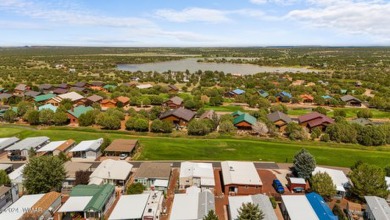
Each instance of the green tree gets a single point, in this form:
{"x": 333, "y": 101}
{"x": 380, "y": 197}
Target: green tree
{"x": 32, "y": 117}
{"x": 60, "y": 118}
{"x": 110, "y": 122}
{"x": 338, "y": 212}
{"x": 227, "y": 127}
{"x": 43, "y": 174}
{"x": 105, "y": 144}
{"x": 371, "y": 136}
{"x": 320, "y": 110}
{"x": 82, "y": 177}
{"x": 23, "y": 107}
{"x": 167, "y": 127}
{"x": 323, "y": 184}
{"x": 342, "y": 132}
{"x": 135, "y": 188}
{"x": 250, "y": 211}
{"x": 4, "y": 179}
{"x": 67, "y": 103}
{"x": 339, "y": 113}
{"x": 156, "y": 125}
{"x": 211, "y": 215}
{"x": 364, "y": 113}
{"x": 280, "y": 108}
{"x": 387, "y": 170}
{"x": 10, "y": 116}
{"x": 130, "y": 123}
{"x": 296, "y": 132}
{"x": 198, "y": 127}
{"x": 141, "y": 125}
{"x": 304, "y": 164}
{"x": 368, "y": 179}
{"x": 46, "y": 116}
{"x": 88, "y": 118}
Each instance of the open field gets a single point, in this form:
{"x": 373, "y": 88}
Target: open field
{"x": 222, "y": 148}
{"x": 224, "y": 108}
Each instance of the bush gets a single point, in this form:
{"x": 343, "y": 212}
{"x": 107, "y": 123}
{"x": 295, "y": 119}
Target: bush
{"x": 10, "y": 116}
{"x": 198, "y": 127}
{"x": 88, "y": 118}
{"x": 227, "y": 127}
{"x": 364, "y": 113}
{"x": 340, "y": 113}
{"x": 32, "y": 117}
{"x": 156, "y": 125}
{"x": 325, "y": 138}
{"x": 135, "y": 188}
{"x": 107, "y": 121}
{"x": 46, "y": 116}
{"x": 280, "y": 108}
{"x": 320, "y": 110}
{"x": 60, "y": 118}
{"x": 167, "y": 127}
{"x": 141, "y": 125}
{"x": 296, "y": 132}
{"x": 273, "y": 202}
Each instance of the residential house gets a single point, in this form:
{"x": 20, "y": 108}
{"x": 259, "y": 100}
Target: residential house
{"x": 283, "y": 95}
{"x": 120, "y": 147}
{"x": 45, "y": 88}
{"x": 93, "y": 99}
{"x": 60, "y": 91}
{"x": 109, "y": 87}
{"x": 315, "y": 119}
{"x": 21, "y": 89}
{"x": 96, "y": 86}
{"x": 362, "y": 121}
{"x": 78, "y": 89}
{"x": 40, "y": 99}
{"x": 5, "y": 197}
{"x": 115, "y": 172}
{"x": 80, "y": 84}
{"x": 377, "y": 208}
{"x": 75, "y": 113}
{"x": 56, "y": 147}
{"x": 179, "y": 117}
{"x": 192, "y": 205}
{"x": 196, "y": 174}
{"x": 30, "y": 95}
{"x": 63, "y": 86}
{"x": 87, "y": 149}
{"x": 209, "y": 114}
{"x": 23, "y": 147}
{"x": 263, "y": 93}
{"x": 351, "y": 100}
{"x": 279, "y": 119}
{"x": 88, "y": 202}
{"x": 320, "y": 207}
{"x": 20, "y": 207}
{"x": 8, "y": 168}
{"x": 144, "y": 86}
{"x": 263, "y": 201}
{"x": 236, "y": 113}
{"x": 297, "y": 207}
{"x": 154, "y": 175}
{"x": 298, "y": 82}
{"x": 4, "y": 97}
{"x": 234, "y": 93}
{"x": 71, "y": 168}
{"x": 306, "y": 98}
{"x": 244, "y": 121}
{"x": 153, "y": 208}
{"x": 387, "y": 179}
{"x": 240, "y": 178}
{"x": 343, "y": 91}
{"x": 48, "y": 106}
{"x": 122, "y": 101}
{"x": 17, "y": 179}
{"x": 72, "y": 96}
{"x": 6, "y": 142}
{"x": 172, "y": 89}
{"x": 174, "y": 102}
{"x": 45, "y": 207}
{"x": 339, "y": 179}
{"x": 108, "y": 103}
{"x": 358, "y": 84}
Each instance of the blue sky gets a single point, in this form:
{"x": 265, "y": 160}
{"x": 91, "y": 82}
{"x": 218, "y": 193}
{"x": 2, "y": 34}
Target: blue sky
{"x": 194, "y": 22}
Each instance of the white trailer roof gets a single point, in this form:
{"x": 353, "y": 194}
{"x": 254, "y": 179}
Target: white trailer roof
{"x": 112, "y": 169}
{"x": 21, "y": 206}
{"x": 74, "y": 96}
{"x": 51, "y": 146}
{"x": 28, "y": 143}
{"x": 75, "y": 204}
{"x": 130, "y": 207}
{"x": 17, "y": 175}
{"x": 387, "y": 178}
{"x": 204, "y": 171}
{"x": 235, "y": 202}
{"x": 243, "y": 173}
{"x": 88, "y": 145}
{"x": 295, "y": 180}
{"x": 339, "y": 178}
{"x": 379, "y": 207}
{"x": 299, "y": 208}
{"x": 6, "y": 142}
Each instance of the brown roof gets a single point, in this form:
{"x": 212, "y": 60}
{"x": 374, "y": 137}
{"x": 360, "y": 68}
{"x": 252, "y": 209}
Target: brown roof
{"x": 4, "y": 190}
{"x": 105, "y": 101}
{"x": 181, "y": 113}
{"x": 306, "y": 96}
{"x": 315, "y": 119}
{"x": 43, "y": 204}
{"x": 123, "y": 99}
{"x": 72, "y": 167}
{"x": 66, "y": 145}
{"x": 176, "y": 100}
{"x": 153, "y": 170}
{"x": 122, "y": 145}
{"x": 60, "y": 91}
{"x": 173, "y": 87}
{"x": 207, "y": 114}
{"x": 95, "y": 98}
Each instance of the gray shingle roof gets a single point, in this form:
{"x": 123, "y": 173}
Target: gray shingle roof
{"x": 276, "y": 116}
{"x": 347, "y": 98}
{"x": 182, "y": 113}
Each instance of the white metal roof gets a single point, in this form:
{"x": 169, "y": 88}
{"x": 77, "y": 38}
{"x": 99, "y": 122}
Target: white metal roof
{"x": 17, "y": 175}
{"x": 144, "y": 86}
{"x": 387, "y": 178}
{"x": 112, "y": 169}
{"x": 299, "y": 208}
{"x": 379, "y": 207}
{"x": 74, "y": 96}
{"x": 51, "y": 146}
{"x": 4, "y": 166}
{"x": 295, "y": 180}
{"x": 28, "y": 143}
{"x": 185, "y": 206}
{"x": 161, "y": 183}
{"x": 242, "y": 173}
{"x": 75, "y": 204}
{"x": 21, "y": 206}
{"x": 339, "y": 178}
{"x": 88, "y": 145}
{"x": 130, "y": 207}
{"x": 5, "y": 142}
{"x": 235, "y": 202}
{"x": 204, "y": 171}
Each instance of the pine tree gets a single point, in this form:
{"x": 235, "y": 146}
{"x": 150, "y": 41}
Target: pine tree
{"x": 250, "y": 211}
{"x": 304, "y": 164}
{"x": 211, "y": 215}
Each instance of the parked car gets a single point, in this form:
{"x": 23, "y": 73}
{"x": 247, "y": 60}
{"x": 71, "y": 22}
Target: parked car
{"x": 123, "y": 156}
{"x": 17, "y": 158}
{"x": 299, "y": 189}
{"x": 278, "y": 186}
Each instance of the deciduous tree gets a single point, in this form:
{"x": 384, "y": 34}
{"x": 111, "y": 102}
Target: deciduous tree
{"x": 323, "y": 184}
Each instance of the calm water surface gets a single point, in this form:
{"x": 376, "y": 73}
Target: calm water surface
{"x": 192, "y": 65}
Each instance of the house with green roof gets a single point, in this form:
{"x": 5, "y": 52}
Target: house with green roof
{"x": 237, "y": 113}
{"x": 89, "y": 201}
{"x": 76, "y": 112}
{"x": 109, "y": 87}
{"x": 44, "y": 98}
{"x": 244, "y": 121}
{"x": 48, "y": 106}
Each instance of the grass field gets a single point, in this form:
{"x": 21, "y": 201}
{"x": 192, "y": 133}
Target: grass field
{"x": 170, "y": 148}
{"x": 227, "y": 108}
{"x": 351, "y": 113}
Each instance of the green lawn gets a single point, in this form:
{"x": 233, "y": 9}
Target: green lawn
{"x": 351, "y": 113}
{"x": 227, "y": 108}
{"x": 169, "y": 148}
{"x": 298, "y": 111}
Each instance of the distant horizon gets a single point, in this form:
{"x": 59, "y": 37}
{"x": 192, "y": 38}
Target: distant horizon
{"x": 195, "y": 23}
{"x": 270, "y": 46}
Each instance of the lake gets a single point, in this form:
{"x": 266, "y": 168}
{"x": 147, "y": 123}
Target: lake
{"x": 192, "y": 65}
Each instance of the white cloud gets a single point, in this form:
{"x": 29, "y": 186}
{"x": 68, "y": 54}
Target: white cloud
{"x": 370, "y": 18}
{"x": 278, "y": 2}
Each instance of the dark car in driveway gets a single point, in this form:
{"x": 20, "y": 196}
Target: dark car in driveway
{"x": 278, "y": 186}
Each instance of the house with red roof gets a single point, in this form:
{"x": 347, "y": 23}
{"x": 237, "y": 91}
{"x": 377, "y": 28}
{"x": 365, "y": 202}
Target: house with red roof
{"x": 315, "y": 119}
